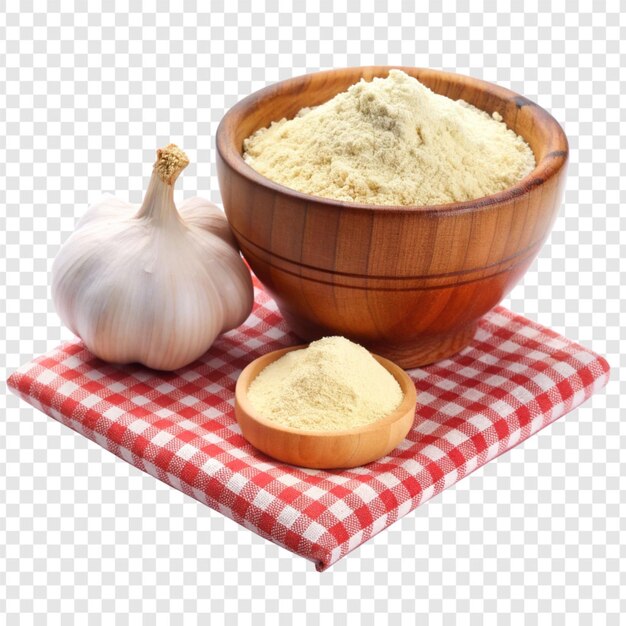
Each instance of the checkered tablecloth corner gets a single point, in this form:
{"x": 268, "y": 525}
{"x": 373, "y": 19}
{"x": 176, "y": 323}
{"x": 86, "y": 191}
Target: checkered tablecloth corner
{"x": 514, "y": 379}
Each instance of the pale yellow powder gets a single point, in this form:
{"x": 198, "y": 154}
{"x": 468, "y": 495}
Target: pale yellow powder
{"x": 333, "y": 384}
{"x": 391, "y": 141}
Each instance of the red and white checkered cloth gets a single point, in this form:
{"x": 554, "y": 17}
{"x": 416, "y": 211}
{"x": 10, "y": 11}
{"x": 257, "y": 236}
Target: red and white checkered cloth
{"x": 514, "y": 379}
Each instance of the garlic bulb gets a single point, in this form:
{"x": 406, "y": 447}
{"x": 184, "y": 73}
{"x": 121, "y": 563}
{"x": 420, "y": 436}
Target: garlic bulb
{"x": 154, "y": 286}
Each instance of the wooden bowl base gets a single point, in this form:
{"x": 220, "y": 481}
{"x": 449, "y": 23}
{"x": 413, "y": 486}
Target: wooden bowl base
{"x": 414, "y": 352}
{"x": 425, "y": 350}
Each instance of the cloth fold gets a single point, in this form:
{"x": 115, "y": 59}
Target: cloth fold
{"x": 513, "y": 380}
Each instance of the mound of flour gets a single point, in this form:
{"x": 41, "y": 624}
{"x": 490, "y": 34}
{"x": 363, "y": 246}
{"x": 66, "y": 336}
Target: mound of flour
{"x": 391, "y": 141}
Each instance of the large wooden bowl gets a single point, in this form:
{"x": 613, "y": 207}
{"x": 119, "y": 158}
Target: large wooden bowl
{"x": 409, "y": 283}
{"x": 324, "y": 449}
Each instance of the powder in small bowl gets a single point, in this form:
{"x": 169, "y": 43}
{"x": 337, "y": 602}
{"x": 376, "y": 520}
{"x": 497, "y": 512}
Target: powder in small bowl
{"x": 332, "y": 385}
{"x": 391, "y": 141}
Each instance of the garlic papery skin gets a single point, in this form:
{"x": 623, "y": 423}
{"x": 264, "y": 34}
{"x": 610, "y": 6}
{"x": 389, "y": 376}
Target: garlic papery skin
{"x": 152, "y": 284}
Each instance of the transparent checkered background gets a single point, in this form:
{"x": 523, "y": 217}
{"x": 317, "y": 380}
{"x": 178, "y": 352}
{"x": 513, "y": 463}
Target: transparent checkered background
{"x": 85, "y": 98}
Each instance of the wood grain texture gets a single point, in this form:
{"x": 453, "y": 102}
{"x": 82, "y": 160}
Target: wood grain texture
{"x": 407, "y": 282}
{"x": 324, "y": 450}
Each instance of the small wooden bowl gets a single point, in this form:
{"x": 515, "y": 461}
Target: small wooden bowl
{"x": 324, "y": 449}
{"x": 407, "y": 282}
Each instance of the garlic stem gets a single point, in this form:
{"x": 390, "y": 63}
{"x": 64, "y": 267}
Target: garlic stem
{"x": 171, "y": 161}
{"x": 158, "y": 203}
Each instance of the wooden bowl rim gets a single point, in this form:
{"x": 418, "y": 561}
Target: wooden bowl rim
{"x": 552, "y": 162}
{"x": 408, "y": 404}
